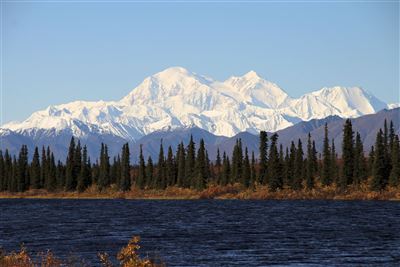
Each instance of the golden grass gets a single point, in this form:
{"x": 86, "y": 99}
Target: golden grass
{"x": 236, "y": 191}
{"x": 127, "y": 257}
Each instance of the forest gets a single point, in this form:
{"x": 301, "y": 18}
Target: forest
{"x": 297, "y": 167}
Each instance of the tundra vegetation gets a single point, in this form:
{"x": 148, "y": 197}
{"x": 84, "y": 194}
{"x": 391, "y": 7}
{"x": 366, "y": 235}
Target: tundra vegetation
{"x": 128, "y": 256}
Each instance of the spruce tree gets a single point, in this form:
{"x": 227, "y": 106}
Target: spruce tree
{"x": 77, "y": 162}
{"x": 378, "y": 178}
{"x": 104, "y": 174}
{"x": 60, "y": 174}
{"x": 298, "y": 168}
{"x": 326, "y": 177}
{"x": 161, "y": 176}
{"x": 290, "y": 168}
{"x": 226, "y": 170}
{"x": 35, "y": 170}
{"x": 347, "y": 155}
{"x": 84, "y": 174}
{"x": 371, "y": 160}
{"x": 218, "y": 167}
{"x": 51, "y": 182}
{"x": 125, "y": 181}
{"x": 170, "y": 168}
{"x": 7, "y": 171}
{"x": 275, "y": 171}
{"x": 246, "y": 170}
{"x": 23, "y": 174}
{"x": 359, "y": 173}
{"x": 310, "y": 168}
{"x": 13, "y": 182}
{"x": 263, "y": 157}
{"x": 387, "y": 151}
{"x": 190, "y": 163}
{"x": 181, "y": 165}
{"x": 2, "y": 172}
{"x": 201, "y": 171}
{"x": 70, "y": 175}
{"x": 394, "y": 177}
{"x": 140, "y": 182}
{"x": 253, "y": 170}
{"x": 113, "y": 171}
{"x": 43, "y": 168}
{"x": 237, "y": 161}
{"x": 150, "y": 172}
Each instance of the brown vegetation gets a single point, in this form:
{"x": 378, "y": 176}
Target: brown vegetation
{"x": 236, "y": 191}
{"x": 127, "y": 257}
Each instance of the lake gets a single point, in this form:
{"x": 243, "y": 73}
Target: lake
{"x": 210, "y": 232}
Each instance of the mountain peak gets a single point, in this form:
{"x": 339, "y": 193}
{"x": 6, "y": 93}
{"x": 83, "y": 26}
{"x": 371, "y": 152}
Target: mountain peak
{"x": 252, "y": 75}
{"x": 177, "y": 97}
{"x": 174, "y": 70}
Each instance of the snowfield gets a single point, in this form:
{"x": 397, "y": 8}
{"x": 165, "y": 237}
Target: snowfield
{"x": 177, "y": 98}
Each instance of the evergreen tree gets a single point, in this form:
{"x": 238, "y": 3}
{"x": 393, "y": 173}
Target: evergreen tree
{"x": 104, "y": 168}
{"x": 201, "y": 172}
{"x": 290, "y": 167}
{"x": 43, "y": 168}
{"x": 84, "y": 174}
{"x": 394, "y": 177}
{"x": 150, "y": 172}
{"x": 386, "y": 152}
{"x": 237, "y": 161}
{"x": 218, "y": 167}
{"x": 70, "y": 175}
{"x": 51, "y": 182}
{"x": 378, "y": 179}
{"x": 170, "y": 168}
{"x": 77, "y": 162}
{"x": 359, "y": 161}
{"x": 161, "y": 176}
{"x": 275, "y": 170}
{"x": 125, "y": 181}
{"x": 298, "y": 168}
{"x": 140, "y": 182}
{"x": 13, "y": 183}
{"x": 263, "y": 157}
{"x": 6, "y": 184}
{"x": 326, "y": 177}
{"x": 190, "y": 162}
{"x": 2, "y": 172}
{"x": 60, "y": 174}
{"x": 371, "y": 160}
{"x": 253, "y": 170}
{"x": 181, "y": 165}
{"x": 23, "y": 175}
{"x": 226, "y": 170}
{"x": 310, "y": 168}
{"x": 114, "y": 171}
{"x": 246, "y": 171}
{"x": 35, "y": 170}
{"x": 347, "y": 155}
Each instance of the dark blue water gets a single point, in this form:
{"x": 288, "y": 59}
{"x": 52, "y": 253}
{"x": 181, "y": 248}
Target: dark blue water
{"x": 210, "y": 233}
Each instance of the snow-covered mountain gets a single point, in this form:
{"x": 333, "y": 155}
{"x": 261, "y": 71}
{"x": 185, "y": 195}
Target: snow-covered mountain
{"x": 178, "y": 98}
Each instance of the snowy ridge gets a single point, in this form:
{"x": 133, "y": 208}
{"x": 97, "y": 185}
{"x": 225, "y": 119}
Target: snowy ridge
{"x": 176, "y": 98}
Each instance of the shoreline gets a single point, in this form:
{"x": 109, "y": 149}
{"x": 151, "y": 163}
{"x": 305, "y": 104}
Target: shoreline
{"x": 216, "y": 192}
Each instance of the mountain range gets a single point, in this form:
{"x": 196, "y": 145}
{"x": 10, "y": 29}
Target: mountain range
{"x": 179, "y": 101}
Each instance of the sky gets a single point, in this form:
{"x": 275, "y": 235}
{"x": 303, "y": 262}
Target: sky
{"x": 56, "y": 52}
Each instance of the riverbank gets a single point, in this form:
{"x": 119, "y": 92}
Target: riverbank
{"x": 236, "y": 191}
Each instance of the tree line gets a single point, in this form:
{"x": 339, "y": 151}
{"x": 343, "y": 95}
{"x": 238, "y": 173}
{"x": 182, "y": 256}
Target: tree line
{"x": 294, "y": 167}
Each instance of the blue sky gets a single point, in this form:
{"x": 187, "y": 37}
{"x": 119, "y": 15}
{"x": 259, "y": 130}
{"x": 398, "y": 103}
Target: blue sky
{"x": 53, "y": 53}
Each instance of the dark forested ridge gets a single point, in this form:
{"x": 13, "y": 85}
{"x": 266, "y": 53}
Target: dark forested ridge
{"x": 296, "y": 166}
{"x": 367, "y": 126}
